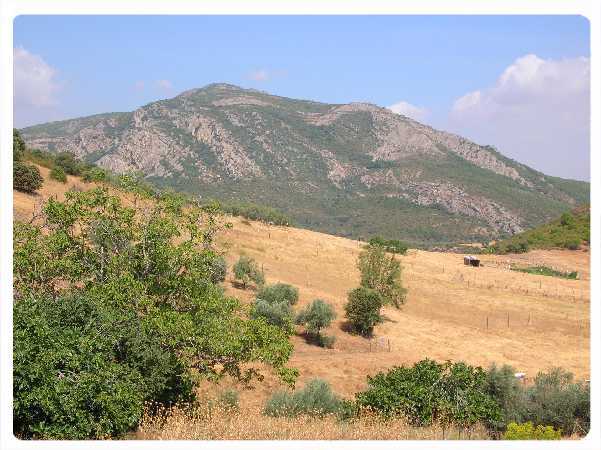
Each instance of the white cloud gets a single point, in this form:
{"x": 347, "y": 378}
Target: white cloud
{"x": 164, "y": 84}
{"x": 260, "y": 75}
{"x": 35, "y": 87}
{"x": 537, "y": 112}
{"x": 409, "y": 110}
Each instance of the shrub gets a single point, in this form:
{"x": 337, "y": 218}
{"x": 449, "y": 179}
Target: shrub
{"x": 383, "y": 274}
{"x": 556, "y": 400}
{"x": 428, "y": 392}
{"x": 279, "y": 292}
{"x": 26, "y": 177}
{"x": 566, "y": 219}
{"x": 230, "y": 399}
{"x": 315, "y": 399}
{"x": 316, "y": 316}
{"x": 58, "y": 174}
{"x": 18, "y": 145}
{"x": 390, "y": 245}
{"x": 218, "y": 270}
{"x": 278, "y": 313}
{"x": 246, "y": 270}
{"x": 527, "y": 432}
{"x": 93, "y": 174}
{"x": 573, "y": 244}
{"x": 508, "y": 392}
{"x": 363, "y": 310}
{"x": 68, "y": 162}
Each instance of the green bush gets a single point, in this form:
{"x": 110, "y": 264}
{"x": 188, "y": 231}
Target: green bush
{"x": 278, "y": 313}
{"x": 555, "y": 399}
{"x": 256, "y": 212}
{"x": 230, "y": 399}
{"x": 527, "y": 432}
{"x": 93, "y": 174}
{"x": 246, "y": 270}
{"x": 390, "y": 245}
{"x": 429, "y": 392}
{"x": 508, "y": 392}
{"x": 69, "y": 163}
{"x": 316, "y": 316}
{"x": 382, "y": 274}
{"x": 218, "y": 270}
{"x": 279, "y": 292}
{"x": 315, "y": 399}
{"x": 18, "y": 145}
{"x": 26, "y": 177}
{"x": 363, "y": 310}
{"x": 58, "y": 174}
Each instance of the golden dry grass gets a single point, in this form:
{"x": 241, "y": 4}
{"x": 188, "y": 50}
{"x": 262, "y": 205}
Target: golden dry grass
{"x": 534, "y": 322}
{"x": 251, "y": 424}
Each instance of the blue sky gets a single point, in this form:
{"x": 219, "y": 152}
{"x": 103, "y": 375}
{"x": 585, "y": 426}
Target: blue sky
{"x": 424, "y": 64}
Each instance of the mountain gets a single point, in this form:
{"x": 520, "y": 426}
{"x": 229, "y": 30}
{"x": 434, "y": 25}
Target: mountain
{"x": 348, "y": 169}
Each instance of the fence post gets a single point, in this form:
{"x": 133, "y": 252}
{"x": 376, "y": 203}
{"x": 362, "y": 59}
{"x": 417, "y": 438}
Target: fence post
{"x": 507, "y": 320}
{"x": 529, "y": 318}
{"x": 487, "y": 322}
{"x": 388, "y": 345}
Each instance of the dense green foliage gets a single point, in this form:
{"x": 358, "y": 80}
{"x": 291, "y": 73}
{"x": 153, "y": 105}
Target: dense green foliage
{"x": 570, "y": 231}
{"x": 316, "y": 316}
{"x": 390, "y": 245}
{"x": 363, "y": 310}
{"x": 547, "y": 271}
{"x": 218, "y": 270}
{"x": 316, "y": 398}
{"x": 275, "y": 313}
{"x": 382, "y": 273}
{"x": 553, "y": 399}
{"x": 26, "y": 177}
{"x": 528, "y": 432}
{"x": 428, "y": 392}
{"x": 115, "y": 306}
{"x": 253, "y": 211}
{"x": 279, "y": 293}
{"x": 247, "y": 270}
{"x": 57, "y": 173}
{"x": 69, "y": 163}
{"x": 18, "y": 145}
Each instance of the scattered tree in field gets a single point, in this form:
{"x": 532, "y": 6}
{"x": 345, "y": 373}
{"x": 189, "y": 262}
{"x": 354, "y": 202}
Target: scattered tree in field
{"x": 363, "y": 309}
{"x": 246, "y": 270}
{"x": 382, "y": 273}
{"x": 57, "y": 173}
{"x": 279, "y": 292}
{"x": 315, "y": 317}
{"x": 276, "y": 313}
{"x": 114, "y": 309}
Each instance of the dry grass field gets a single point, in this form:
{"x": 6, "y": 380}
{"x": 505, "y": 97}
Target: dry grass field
{"x": 478, "y": 315}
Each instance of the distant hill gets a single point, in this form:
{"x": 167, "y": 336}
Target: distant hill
{"x": 570, "y": 231}
{"x": 355, "y": 170}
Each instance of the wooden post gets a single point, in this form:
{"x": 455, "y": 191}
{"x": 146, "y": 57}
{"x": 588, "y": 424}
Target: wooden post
{"x": 388, "y": 345}
{"x": 529, "y": 318}
{"x": 487, "y": 322}
{"x": 507, "y": 320}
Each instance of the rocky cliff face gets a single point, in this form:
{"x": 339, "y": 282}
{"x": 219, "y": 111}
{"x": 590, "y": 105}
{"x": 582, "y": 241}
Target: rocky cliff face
{"x": 307, "y": 157}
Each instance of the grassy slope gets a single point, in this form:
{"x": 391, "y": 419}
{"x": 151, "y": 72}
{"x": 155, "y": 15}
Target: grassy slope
{"x": 555, "y": 234}
{"x": 445, "y": 316}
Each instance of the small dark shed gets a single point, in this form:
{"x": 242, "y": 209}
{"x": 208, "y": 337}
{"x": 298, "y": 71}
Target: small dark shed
{"x": 471, "y": 261}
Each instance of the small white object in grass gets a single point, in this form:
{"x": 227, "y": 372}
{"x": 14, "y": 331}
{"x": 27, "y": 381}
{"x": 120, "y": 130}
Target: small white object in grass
{"x": 520, "y": 375}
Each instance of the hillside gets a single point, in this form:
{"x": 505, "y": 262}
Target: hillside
{"x": 571, "y": 230}
{"x": 481, "y": 316}
{"x": 353, "y": 170}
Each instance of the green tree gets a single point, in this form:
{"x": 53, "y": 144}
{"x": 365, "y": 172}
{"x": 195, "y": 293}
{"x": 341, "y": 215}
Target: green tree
{"x": 316, "y": 316}
{"x": 279, "y": 292}
{"x": 57, "y": 173}
{"x": 68, "y": 162}
{"x": 18, "y": 145}
{"x": 26, "y": 177}
{"x": 147, "y": 318}
{"x": 363, "y": 309}
{"x": 246, "y": 270}
{"x": 276, "y": 313}
{"x": 382, "y": 273}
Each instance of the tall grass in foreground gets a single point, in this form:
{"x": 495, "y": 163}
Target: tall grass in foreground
{"x": 220, "y": 423}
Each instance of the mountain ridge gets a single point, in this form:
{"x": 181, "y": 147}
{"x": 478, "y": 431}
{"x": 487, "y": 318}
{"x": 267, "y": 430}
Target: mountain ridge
{"x": 330, "y": 166}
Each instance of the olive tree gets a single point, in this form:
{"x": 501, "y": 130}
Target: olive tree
{"x": 316, "y": 316}
{"x": 363, "y": 309}
{"x": 382, "y": 273}
{"x": 246, "y": 270}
